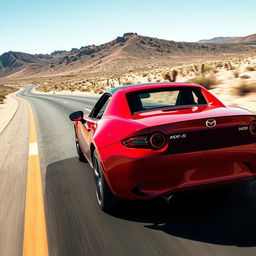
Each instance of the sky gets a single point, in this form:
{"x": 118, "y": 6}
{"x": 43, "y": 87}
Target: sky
{"x": 42, "y": 26}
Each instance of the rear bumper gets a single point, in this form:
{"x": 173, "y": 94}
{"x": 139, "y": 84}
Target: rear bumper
{"x": 145, "y": 174}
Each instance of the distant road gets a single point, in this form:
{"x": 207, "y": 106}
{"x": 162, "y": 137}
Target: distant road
{"x": 220, "y": 222}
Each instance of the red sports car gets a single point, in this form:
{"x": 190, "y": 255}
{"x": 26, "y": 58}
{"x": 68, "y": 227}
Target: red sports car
{"x": 149, "y": 140}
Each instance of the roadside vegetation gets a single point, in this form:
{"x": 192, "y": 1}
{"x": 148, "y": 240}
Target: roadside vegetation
{"x": 231, "y": 79}
{"x": 206, "y": 81}
{"x": 5, "y": 90}
{"x": 244, "y": 88}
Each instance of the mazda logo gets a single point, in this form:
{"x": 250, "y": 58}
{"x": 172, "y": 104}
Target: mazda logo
{"x": 210, "y": 123}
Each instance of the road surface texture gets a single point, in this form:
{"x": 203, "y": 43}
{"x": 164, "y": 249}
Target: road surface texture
{"x": 13, "y": 174}
{"x": 216, "y": 222}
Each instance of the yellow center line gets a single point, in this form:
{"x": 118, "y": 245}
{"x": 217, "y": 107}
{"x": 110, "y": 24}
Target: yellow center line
{"x": 35, "y": 238}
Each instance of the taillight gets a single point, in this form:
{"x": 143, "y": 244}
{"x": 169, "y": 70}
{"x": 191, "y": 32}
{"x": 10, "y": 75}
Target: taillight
{"x": 253, "y": 127}
{"x": 154, "y": 141}
{"x": 136, "y": 142}
{"x": 157, "y": 140}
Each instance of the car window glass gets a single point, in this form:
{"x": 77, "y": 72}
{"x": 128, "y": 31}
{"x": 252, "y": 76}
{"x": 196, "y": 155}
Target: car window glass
{"x": 196, "y": 98}
{"x": 161, "y": 98}
{"x": 100, "y": 107}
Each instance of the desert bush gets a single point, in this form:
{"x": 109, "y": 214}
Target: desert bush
{"x": 230, "y": 66}
{"x": 128, "y": 82}
{"x": 250, "y": 68}
{"x": 2, "y": 97}
{"x": 206, "y": 69}
{"x": 226, "y": 65}
{"x": 84, "y": 89}
{"x": 98, "y": 90}
{"x": 205, "y": 81}
{"x": 170, "y": 75}
{"x": 236, "y": 73}
{"x": 5, "y": 90}
{"x": 219, "y": 65}
{"x": 245, "y": 77}
{"x": 245, "y": 88}
{"x": 196, "y": 68}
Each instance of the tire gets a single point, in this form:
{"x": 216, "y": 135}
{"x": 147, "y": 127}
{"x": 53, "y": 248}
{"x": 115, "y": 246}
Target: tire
{"x": 105, "y": 198}
{"x": 81, "y": 156}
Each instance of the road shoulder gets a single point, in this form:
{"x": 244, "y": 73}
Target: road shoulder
{"x": 13, "y": 173}
{"x": 8, "y": 110}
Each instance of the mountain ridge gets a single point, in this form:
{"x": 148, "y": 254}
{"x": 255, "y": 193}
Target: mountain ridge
{"x": 251, "y": 39}
{"x": 218, "y": 40}
{"x": 123, "y": 53}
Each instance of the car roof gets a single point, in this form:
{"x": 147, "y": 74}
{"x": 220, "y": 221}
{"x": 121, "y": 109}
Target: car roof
{"x": 143, "y": 86}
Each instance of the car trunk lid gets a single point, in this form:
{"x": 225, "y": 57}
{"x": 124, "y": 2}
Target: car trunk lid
{"x": 203, "y": 128}
{"x": 182, "y": 114}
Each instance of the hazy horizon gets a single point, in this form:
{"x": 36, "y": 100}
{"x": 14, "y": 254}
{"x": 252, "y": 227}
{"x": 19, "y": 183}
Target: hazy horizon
{"x": 46, "y": 26}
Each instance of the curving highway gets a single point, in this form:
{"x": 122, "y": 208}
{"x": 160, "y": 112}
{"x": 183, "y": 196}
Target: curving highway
{"x": 217, "y": 222}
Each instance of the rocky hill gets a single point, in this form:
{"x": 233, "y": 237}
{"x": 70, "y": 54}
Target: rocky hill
{"x": 218, "y": 40}
{"x": 130, "y": 51}
{"x": 60, "y": 52}
{"x": 251, "y": 39}
{"x": 12, "y": 62}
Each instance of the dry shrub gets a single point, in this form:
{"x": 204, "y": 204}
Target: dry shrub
{"x": 250, "y": 68}
{"x": 196, "y": 68}
{"x": 127, "y": 82}
{"x": 2, "y": 97}
{"x": 226, "y": 65}
{"x": 206, "y": 69}
{"x": 99, "y": 90}
{"x": 245, "y": 88}
{"x": 84, "y": 89}
{"x": 170, "y": 75}
{"x": 230, "y": 66}
{"x": 219, "y": 65}
{"x": 236, "y": 73}
{"x": 245, "y": 77}
{"x": 5, "y": 90}
{"x": 205, "y": 81}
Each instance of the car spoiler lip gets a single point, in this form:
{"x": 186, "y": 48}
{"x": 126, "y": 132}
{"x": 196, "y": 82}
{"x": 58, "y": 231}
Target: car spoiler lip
{"x": 162, "y": 117}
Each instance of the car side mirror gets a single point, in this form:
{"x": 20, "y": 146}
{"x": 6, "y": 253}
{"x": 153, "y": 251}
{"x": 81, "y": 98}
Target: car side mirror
{"x": 77, "y": 116}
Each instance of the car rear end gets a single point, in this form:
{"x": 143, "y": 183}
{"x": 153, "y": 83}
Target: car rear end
{"x": 185, "y": 147}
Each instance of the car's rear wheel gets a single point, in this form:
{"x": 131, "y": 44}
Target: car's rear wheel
{"x": 105, "y": 198}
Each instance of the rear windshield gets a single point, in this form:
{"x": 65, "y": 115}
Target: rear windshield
{"x": 165, "y": 98}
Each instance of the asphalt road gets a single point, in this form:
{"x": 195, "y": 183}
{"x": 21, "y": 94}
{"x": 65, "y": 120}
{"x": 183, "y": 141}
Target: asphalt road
{"x": 217, "y": 222}
{"x": 13, "y": 174}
